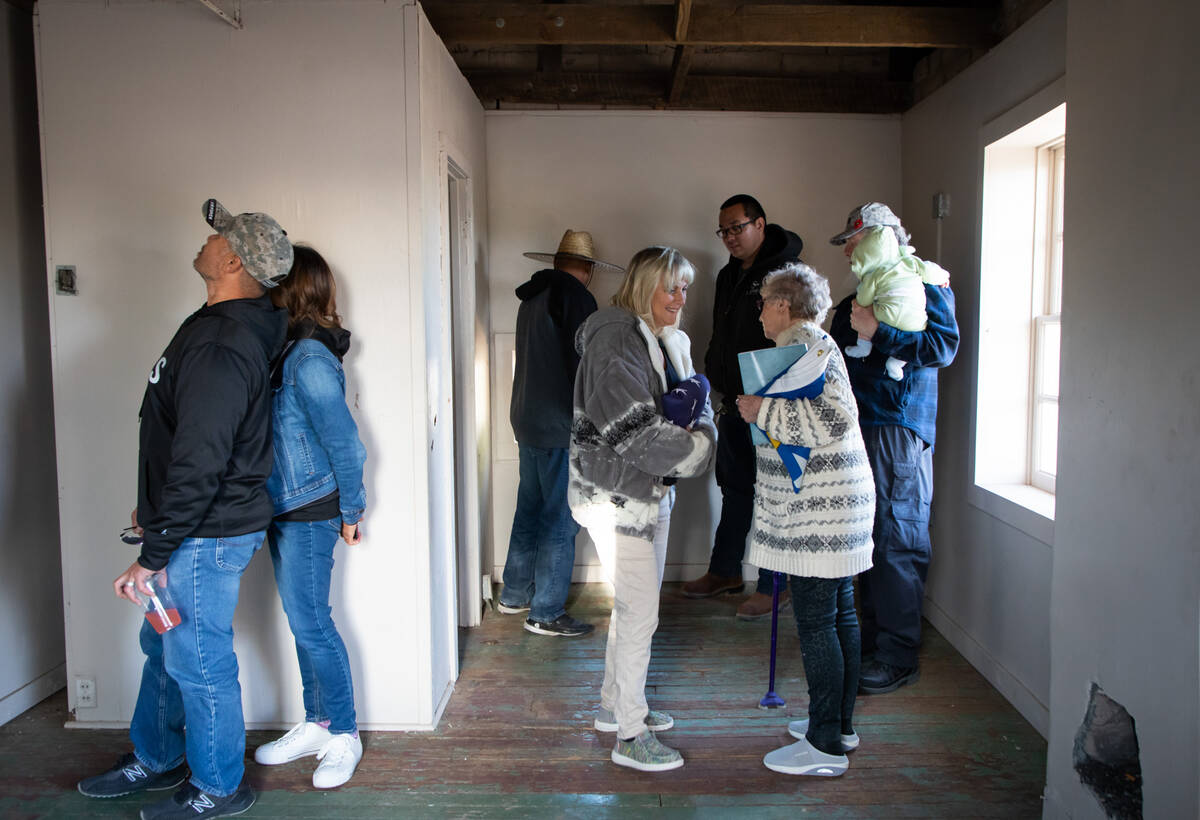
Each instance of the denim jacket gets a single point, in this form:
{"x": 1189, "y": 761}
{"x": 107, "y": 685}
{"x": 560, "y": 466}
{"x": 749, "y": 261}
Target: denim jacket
{"x": 317, "y": 449}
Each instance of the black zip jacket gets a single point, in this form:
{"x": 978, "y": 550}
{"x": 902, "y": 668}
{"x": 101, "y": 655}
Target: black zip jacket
{"x": 205, "y": 441}
{"x": 553, "y": 306}
{"x": 735, "y": 326}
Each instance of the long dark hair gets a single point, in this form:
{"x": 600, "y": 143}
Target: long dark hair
{"x": 308, "y": 292}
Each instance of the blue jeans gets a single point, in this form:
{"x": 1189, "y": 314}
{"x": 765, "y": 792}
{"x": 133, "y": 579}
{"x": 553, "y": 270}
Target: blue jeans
{"x": 541, "y": 549}
{"x": 830, "y": 643}
{"x": 302, "y": 552}
{"x": 191, "y": 673}
{"x": 892, "y": 591}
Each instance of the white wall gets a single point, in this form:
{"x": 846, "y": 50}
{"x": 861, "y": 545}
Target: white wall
{"x": 31, "y": 635}
{"x": 1125, "y": 610}
{"x": 638, "y": 179}
{"x": 452, "y": 129}
{"x": 989, "y": 582}
{"x": 310, "y": 113}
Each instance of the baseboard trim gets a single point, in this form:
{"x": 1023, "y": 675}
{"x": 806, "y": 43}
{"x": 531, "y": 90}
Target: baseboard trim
{"x": 442, "y": 704}
{"x": 1007, "y": 684}
{"x": 595, "y": 574}
{"x": 31, "y": 694}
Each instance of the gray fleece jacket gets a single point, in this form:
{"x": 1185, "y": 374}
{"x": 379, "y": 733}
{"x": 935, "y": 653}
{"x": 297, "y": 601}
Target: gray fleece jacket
{"x": 621, "y": 444}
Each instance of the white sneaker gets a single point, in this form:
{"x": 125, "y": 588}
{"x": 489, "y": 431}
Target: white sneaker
{"x": 799, "y": 729}
{"x": 802, "y": 757}
{"x": 339, "y": 758}
{"x": 303, "y": 740}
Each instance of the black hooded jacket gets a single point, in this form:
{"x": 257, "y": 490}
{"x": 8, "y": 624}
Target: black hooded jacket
{"x": 735, "y": 326}
{"x": 205, "y": 440}
{"x": 553, "y": 306}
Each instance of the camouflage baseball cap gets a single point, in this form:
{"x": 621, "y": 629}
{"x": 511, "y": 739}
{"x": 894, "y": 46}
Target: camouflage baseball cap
{"x": 867, "y": 216}
{"x": 257, "y": 239}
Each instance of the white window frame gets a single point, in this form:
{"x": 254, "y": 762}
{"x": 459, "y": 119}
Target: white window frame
{"x": 1012, "y": 319}
{"x": 1047, "y": 307}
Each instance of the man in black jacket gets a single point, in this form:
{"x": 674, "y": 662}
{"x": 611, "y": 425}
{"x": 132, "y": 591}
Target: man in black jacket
{"x": 755, "y": 248}
{"x": 203, "y": 460}
{"x": 541, "y": 547}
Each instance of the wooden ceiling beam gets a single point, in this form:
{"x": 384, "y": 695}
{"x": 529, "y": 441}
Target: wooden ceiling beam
{"x": 679, "y": 70}
{"x": 494, "y": 24}
{"x": 832, "y": 94}
{"x": 683, "y": 15}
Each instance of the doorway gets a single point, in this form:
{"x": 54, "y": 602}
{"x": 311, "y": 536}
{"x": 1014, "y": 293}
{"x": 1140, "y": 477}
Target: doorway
{"x": 459, "y": 272}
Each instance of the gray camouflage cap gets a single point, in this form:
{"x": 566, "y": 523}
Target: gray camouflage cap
{"x": 257, "y": 239}
{"x": 867, "y": 216}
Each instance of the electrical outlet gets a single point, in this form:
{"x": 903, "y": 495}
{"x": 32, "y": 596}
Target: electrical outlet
{"x": 85, "y": 693}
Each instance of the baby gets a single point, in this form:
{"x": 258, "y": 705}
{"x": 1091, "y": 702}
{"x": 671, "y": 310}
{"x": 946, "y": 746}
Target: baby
{"x": 891, "y": 281}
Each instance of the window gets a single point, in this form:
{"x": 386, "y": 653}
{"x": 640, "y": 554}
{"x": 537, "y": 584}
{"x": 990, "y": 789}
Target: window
{"x": 1020, "y": 306}
{"x": 1047, "y": 307}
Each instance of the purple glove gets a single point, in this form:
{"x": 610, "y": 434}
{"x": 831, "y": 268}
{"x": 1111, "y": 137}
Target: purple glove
{"x": 684, "y": 404}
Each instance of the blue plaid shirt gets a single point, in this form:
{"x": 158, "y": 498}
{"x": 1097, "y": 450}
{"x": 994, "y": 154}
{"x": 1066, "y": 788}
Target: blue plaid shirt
{"x": 912, "y": 401}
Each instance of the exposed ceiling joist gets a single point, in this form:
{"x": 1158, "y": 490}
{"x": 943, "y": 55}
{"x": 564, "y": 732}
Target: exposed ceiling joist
{"x": 700, "y": 92}
{"x": 490, "y": 24}
{"x": 679, "y": 70}
{"x": 683, "y": 15}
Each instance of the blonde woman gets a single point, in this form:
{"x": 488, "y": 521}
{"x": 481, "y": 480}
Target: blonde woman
{"x": 625, "y": 457}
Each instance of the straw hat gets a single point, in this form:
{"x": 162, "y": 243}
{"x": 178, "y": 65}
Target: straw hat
{"x": 578, "y": 245}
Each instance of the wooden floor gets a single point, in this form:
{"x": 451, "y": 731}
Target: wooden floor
{"x": 516, "y": 739}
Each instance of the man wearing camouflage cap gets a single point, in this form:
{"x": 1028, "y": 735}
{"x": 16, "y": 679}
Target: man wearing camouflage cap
{"x": 203, "y": 461}
{"x": 898, "y": 421}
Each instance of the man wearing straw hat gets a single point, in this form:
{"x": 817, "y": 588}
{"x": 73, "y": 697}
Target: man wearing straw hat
{"x": 541, "y": 548}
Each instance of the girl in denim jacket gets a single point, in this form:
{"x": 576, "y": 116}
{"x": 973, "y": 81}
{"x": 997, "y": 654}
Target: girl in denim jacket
{"x": 317, "y": 490}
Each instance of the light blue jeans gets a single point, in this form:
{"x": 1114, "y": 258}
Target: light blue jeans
{"x": 302, "y": 552}
{"x": 541, "y": 548}
{"x": 190, "y": 677}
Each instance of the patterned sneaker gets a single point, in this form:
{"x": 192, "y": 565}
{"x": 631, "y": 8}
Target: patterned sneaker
{"x": 564, "y": 626}
{"x": 799, "y": 729}
{"x": 190, "y": 803}
{"x": 802, "y": 757}
{"x": 511, "y": 609}
{"x": 130, "y": 776}
{"x": 304, "y": 740}
{"x": 646, "y": 754}
{"x": 339, "y": 758}
{"x": 606, "y": 721}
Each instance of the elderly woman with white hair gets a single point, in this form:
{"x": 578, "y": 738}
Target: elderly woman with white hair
{"x": 625, "y": 457}
{"x": 819, "y": 535}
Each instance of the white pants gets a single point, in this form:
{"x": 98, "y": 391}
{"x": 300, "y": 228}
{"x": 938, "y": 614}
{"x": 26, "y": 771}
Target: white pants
{"x": 636, "y": 569}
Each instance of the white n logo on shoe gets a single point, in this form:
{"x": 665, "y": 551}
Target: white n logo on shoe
{"x": 199, "y": 804}
{"x": 134, "y": 773}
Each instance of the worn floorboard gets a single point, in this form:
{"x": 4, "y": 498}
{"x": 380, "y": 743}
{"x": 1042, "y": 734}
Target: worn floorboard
{"x": 516, "y": 739}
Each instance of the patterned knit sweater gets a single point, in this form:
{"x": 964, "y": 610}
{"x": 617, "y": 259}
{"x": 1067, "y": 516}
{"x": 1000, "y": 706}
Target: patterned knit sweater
{"x": 622, "y": 446}
{"x": 824, "y": 531}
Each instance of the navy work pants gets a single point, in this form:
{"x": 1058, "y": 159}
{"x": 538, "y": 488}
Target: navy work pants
{"x": 892, "y": 591}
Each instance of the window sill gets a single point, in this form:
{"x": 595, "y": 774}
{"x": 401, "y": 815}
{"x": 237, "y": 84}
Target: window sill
{"x": 1022, "y": 506}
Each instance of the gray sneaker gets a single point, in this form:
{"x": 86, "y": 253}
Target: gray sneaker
{"x": 606, "y": 721}
{"x": 799, "y": 730}
{"x": 646, "y": 754}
